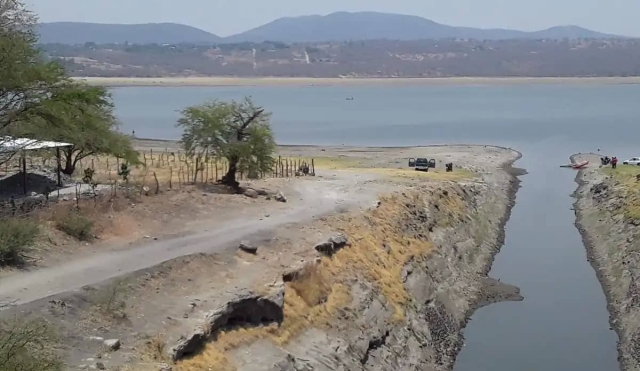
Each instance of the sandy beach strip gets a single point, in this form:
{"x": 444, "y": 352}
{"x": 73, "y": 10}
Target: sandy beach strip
{"x": 347, "y": 81}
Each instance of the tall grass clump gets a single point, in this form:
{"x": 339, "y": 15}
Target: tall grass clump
{"x": 76, "y": 225}
{"x": 16, "y": 239}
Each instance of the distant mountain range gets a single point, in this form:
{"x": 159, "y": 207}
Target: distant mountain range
{"x": 159, "y": 33}
{"x": 340, "y": 26}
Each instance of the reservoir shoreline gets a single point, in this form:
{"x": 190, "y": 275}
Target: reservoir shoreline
{"x": 610, "y": 240}
{"x": 222, "y": 81}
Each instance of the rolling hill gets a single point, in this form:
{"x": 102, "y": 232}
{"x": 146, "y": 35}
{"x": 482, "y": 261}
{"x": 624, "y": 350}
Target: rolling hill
{"x": 340, "y": 26}
{"x": 160, "y": 33}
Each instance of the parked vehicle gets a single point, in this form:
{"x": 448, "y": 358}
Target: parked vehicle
{"x": 632, "y": 161}
{"x": 423, "y": 164}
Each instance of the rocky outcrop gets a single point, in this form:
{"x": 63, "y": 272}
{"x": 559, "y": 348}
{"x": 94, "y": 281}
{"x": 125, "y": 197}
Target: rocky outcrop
{"x": 610, "y": 229}
{"x": 248, "y": 309}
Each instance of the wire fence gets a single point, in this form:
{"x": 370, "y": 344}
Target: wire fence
{"x": 158, "y": 171}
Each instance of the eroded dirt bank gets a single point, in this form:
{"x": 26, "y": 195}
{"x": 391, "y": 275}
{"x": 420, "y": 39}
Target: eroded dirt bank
{"x": 383, "y": 285}
{"x": 608, "y": 217}
{"x": 395, "y": 297}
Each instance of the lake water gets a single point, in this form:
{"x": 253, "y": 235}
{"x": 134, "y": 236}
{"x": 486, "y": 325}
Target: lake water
{"x": 563, "y": 323}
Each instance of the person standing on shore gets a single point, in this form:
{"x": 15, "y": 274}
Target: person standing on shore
{"x": 614, "y": 162}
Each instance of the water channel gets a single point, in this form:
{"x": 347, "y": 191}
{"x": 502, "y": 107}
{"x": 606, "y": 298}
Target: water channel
{"x": 562, "y": 324}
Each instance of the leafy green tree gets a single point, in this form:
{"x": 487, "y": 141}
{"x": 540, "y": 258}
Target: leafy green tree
{"x": 29, "y": 86}
{"x": 25, "y": 79}
{"x": 237, "y": 131}
{"x": 84, "y": 118}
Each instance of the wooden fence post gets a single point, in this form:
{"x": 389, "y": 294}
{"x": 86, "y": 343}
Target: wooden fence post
{"x": 157, "y": 183}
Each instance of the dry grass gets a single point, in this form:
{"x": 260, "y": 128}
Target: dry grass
{"x": 355, "y": 163}
{"x": 378, "y": 253}
{"x": 100, "y": 211}
{"x": 458, "y": 174}
{"x": 368, "y": 255}
{"x": 300, "y": 313}
{"x": 337, "y": 163}
{"x": 625, "y": 175}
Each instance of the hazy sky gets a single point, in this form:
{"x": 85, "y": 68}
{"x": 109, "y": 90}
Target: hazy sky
{"x": 225, "y": 17}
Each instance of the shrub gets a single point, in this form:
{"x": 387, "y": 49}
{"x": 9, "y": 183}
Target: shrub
{"x": 28, "y": 345}
{"x": 76, "y": 225}
{"x": 16, "y": 238}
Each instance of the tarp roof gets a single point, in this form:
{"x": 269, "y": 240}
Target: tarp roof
{"x": 9, "y": 144}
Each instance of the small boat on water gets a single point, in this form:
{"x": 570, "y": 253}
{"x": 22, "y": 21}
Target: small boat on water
{"x": 577, "y": 165}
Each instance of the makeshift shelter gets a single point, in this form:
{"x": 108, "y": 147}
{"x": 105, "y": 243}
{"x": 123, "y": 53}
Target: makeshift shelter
{"x": 10, "y": 146}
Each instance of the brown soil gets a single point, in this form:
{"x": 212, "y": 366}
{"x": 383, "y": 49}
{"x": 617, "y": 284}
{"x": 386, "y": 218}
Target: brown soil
{"x": 169, "y": 284}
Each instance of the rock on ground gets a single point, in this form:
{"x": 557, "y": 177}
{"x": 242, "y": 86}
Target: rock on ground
{"x": 251, "y": 193}
{"x": 332, "y": 245}
{"x": 248, "y": 248}
{"x": 280, "y": 197}
{"x": 112, "y": 344}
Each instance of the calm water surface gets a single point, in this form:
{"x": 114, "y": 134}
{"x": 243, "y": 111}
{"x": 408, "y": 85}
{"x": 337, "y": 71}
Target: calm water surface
{"x": 562, "y": 324}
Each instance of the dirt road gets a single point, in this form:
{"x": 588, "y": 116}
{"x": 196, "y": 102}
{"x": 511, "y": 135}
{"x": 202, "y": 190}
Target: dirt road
{"x": 311, "y": 198}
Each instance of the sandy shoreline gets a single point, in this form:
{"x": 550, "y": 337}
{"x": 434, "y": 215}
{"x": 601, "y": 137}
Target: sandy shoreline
{"x": 310, "y": 81}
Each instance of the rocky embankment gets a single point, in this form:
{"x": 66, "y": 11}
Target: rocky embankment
{"x": 391, "y": 291}
{"x": 607, "y": 216}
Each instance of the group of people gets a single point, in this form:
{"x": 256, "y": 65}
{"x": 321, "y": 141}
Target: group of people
{"x": 606, "y": 161}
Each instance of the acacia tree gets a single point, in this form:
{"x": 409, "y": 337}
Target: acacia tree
{"x": 237, "y": 131}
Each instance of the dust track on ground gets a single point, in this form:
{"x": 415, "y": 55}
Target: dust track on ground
{"x": 314, "y": 199}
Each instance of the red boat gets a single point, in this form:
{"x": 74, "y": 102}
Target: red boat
{"x": 580, "y": 165}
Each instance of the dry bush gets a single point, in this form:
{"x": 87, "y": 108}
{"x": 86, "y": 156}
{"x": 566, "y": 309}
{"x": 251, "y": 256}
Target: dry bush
{"x": 112, "y": 300}
{"x": 156, "y": 348}
{"x": 76, "y": 225}
{"x": 16, "y": 238}
{"x": 311, "y": 287}
{"x": 28, "y": 345}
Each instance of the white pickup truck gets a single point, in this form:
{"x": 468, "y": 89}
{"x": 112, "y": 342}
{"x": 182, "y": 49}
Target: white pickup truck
{"x": 632, "y": 161}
